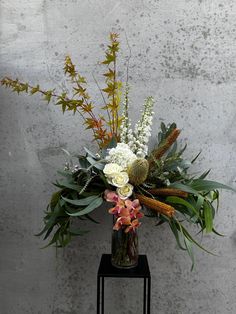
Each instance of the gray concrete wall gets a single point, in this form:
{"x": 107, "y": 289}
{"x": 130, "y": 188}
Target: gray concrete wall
{"x": 183, "y": 53}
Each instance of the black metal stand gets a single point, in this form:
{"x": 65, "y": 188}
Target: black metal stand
{"x": 140, "y": 271}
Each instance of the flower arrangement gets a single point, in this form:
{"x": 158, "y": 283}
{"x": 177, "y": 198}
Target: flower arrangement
{"x": 124, "y": 171}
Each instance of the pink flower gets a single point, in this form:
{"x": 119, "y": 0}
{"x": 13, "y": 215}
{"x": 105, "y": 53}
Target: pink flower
{"x": 134, "y": 207}
{"x": 132, "y": 204}
{"x": 126, "y": 211}
{"x": 121, "y": 221}
{"x": 134, "y": 225}
{"x": 111, "y": 196}
{"x": 114, "y": 210}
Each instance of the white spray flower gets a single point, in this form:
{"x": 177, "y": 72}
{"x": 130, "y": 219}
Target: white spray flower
{"x": 121, "y": 155}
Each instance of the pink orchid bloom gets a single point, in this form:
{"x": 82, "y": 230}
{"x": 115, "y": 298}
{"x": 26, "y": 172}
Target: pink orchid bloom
{"x": 132, "y": 204}
{"x": 121, "y": 221}
{"x": 114, "y": 210}
{"x": 136, "y": 214}
{"x": 124, "y": 212}
{"x": 134, "y": 225}
{"x": 111, "y": 196}
{"x": 134, "y": 207}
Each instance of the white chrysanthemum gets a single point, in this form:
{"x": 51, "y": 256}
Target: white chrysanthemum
{"x": 121, "y": 155}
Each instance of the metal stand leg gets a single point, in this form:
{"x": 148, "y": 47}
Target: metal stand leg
{"x": 98, "y": 294}
{"x": 144, "y": 295}
{"x": 149, "y": 296}
{"x": 102, "y": 295}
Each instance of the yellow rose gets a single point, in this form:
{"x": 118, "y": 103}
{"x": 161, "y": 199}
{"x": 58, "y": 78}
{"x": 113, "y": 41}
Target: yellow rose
{"x": 125, "y": 191}
{"x": 111, "y": 169}
{"x": 120, "y": 179}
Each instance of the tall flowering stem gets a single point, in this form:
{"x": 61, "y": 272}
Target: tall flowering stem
{"x": 126, "y": 134}
{"x": 113, "y": 86}
{"x": 138, "y": 140}
{"x": 79, "y": 102}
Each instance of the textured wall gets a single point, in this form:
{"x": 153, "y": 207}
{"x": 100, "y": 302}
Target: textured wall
{"x": 183, "y": 53}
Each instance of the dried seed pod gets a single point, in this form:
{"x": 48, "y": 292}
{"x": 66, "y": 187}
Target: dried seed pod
{"x": 138, "y": 171}
{"x": 156, "y": 205}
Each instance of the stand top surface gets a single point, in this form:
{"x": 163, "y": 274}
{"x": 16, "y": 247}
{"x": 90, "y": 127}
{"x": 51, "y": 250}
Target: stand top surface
{"x": 106, "y": 269}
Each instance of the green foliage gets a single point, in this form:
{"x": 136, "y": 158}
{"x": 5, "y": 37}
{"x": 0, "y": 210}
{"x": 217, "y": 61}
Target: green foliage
{"x": 81, "y": 187}
{"x": 80, "y": 193}
{"x": 198, "y": 208}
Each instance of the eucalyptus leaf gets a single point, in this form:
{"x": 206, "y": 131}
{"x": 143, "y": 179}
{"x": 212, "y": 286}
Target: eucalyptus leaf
{"x": 65, "y": 173}
{"x": 95, "y": 163}
{"x": 90, "y": 153}
{"x": 78, "y": 232}
{"x": 52, "y": 220}
{"x": 93, "y": 205}
{"x": 65, "y": 184}
{"x": 82, "y": 201}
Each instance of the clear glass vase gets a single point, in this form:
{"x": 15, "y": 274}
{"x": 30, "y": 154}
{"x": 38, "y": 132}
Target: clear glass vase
{"x": 124, "y": 248}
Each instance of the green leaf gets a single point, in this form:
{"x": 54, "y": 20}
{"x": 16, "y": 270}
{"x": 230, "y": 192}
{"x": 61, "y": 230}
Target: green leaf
{"x": 190, "y": 238}
{"x": 208, "y": 216}
{"x": 78, "y": 232}
{"x": 65, "y": 184}
{"x": 65, "y": 173}
{"x": 52, "y": 220}
{"x": 189, "y": 248}
{"x": 206, "y": 185}
{"x": 163, "y": 127}
{"x": 94, "y": 204}
{"x": 90, "y": 153}
{"x": 95, "y": 163}
{"x": 216, "y": 232}
{"x": 205, "y": 174}
{"x": 184, "y": 187}
{"x": 196, "y": 157}
{"x": 53, "y": 240}
{"x": 200, "y": 201}
{"x": 175, "y": 231}
{"x": 180, "y": 201}
{"x": 55, "y": 199}
{"x": 34, "y": 89}
{"x": 92, "y": 219}
{"x": 82, "y": 201}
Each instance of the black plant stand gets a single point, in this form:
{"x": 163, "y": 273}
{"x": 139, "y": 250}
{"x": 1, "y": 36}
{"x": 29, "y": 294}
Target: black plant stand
{"x": 106, "y": 269}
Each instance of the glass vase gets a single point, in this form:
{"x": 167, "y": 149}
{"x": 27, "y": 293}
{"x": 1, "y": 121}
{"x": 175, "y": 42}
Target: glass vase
{"x": 124, "y": 248}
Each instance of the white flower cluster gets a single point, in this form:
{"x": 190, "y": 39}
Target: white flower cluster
{"x": 121, "y": 155}
{"x": 138, "y": 140}
{"x": 118, "y": 160}
{"x": 116, "y": 176}
{"x": 125, "y": 129}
